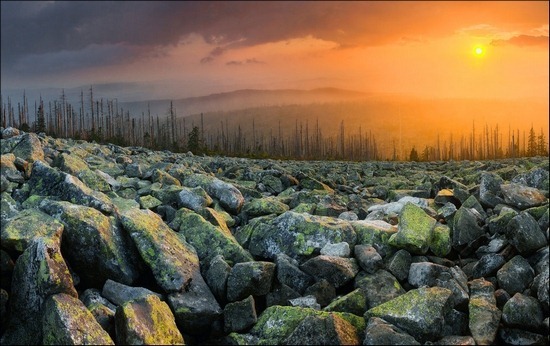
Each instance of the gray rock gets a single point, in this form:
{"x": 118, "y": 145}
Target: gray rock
{"x": 249, "y": 278}
{"x": 102, "y": 309}
{"x": 522, "y": 197}
{"x": 488, "y": 265}
{"x": 484, "y": 316}
{"x": 288, "y": 273}
{"x": 368, "y": 258}
{"x": 354, "y": 302}
{"x": 308, "y": 301}
{"x": 425, "y": 273}
{"x": 513, "y": 336}
{"x": 281, "y": 294}
{"x": 339, "y": 249}
{"x": 146, "y": 321}
{"x": 536, "y": 177}
{"x": 380, "y": 287}
{"x": 399, "y": 264}
{"x": 62, "y": 312}
{"x": 323, "y": 330}
{"x": 419, "y": 312}
{"x": 454, "y": 340}
{"x": 29, "y": 148}
{"x": 380, "y": 332}
{"x": 195, "y": 307}
{"x": 239, "y": 316}
{"x": 323, "y": 291}
{"x": 465, "y": 227}
{"x": 229, "y": 196}
{"x": 524, "y": 234}
{"x": 216, "y": 277}
{"x": 336, "y": 270}
{"x": 415, "y": 230}
{"x": 194, "y": 198}
{"x": 94, "y": 244}
{"x": 516, "y": 275}
{"x": 39, "y": 273}
{"x": 264, "y": 206}
{"x": 119, "y": 293}
{"x": 173, "y": 262}
{"x": 489, "y": 189}
{"x": 523, "y": 312}
{"x": 299, "y": 235}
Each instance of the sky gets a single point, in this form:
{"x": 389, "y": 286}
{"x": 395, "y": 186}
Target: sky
{"x": 157, "y": 49}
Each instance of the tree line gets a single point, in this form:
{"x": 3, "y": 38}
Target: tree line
{"x": 105, "y": 121}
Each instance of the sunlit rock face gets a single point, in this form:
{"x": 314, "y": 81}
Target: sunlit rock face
{"x": 143, "y": 246}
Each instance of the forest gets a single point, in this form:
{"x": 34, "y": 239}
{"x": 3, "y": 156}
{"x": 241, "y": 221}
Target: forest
{"x": 318, "y": 131}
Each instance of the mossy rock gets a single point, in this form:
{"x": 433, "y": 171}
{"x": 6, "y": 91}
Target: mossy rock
{"x": 415, "y": 230}
{"x": 440, "y": 244}
{"x": 71, "y": 164}
{"x": 28, "y": 225}
{"x": 264, "y": 206}
{"x": 354, "y": 302}
{"x": 149, "y": 202}
{"x": 207, "y": 239}
{"x": 172, "y": 261}
{"x": 147, "y": 321}
{"x": 62, "y": 313}
{"x": 299, "y": 235}
{"x": 420, "y": 312}
{"x": 374, "y": 232}
{"x": 94, "y": 244}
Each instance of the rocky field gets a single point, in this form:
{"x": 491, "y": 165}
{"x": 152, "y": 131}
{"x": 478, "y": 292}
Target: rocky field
{"x": 102, "y": 244}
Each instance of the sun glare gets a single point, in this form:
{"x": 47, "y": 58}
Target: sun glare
{"x": 479, "y": 51}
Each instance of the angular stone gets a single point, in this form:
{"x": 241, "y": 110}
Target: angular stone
{"x": 513, "y": 336}
{"x": 195, "y": 307}
{"x": 368, "y": 258}
{"x": 94, "y": 244}
{"x": 484, "y": 316}
{"x": 29, "y": 148}
{"x": 523, "y": 312}
{"x": 290, "y": 274}
{"x": 172, "y": 261}
{"x": 102, "y": 309}
{"x": 522, "y": 197}
{"x": 249, "y": 278}
{"x": 454, "y": 340}
{"x": 27, "y": 225}
{"x": 425, "y": 273}
{"x": 488, "y": 265}
{"x": 323, "y": 330}
{"x": 39, "y": 273}
{"x": 264, "y": 206}
{"x": 62, "y": 313}
{"x": 119, "y": 293}
{"x": 229, "y": 196}
{"x": 376, "y": 233}
{"x": 194, "y": 198}
{"x": 380, "y": 287}
{"x": 465, "y": 228}
{"x": 336, "y": 270}
{"x": 323, "y": 291}
{"x": 207, "y": 239}
{"x": 146, "y": 321}
{"x": 524, "y": 234}
{"x": 419, "y": 312}
{"x": 299, "y": 235}
{"x": 536, "y": 177}
{"x": 516, "y": 275}
{"x": 354, "y": 302}
{"x": 239, "y": 316}
{"x": 440, "y": 245}
{"x": 216, "y": 277}
{"x": 48, "y": 181}
{"x": 489, "y": 189}
{"x": 281, "y": 294}
{"x": 338, "y": 249}
{"x": 415, "y": 230}
{"x": 309, "y": 301}
{"x": 399, "y": 264}
{"x": 380, "y": 332}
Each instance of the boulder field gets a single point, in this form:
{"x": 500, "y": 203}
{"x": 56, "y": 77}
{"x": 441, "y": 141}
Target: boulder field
{"x": 102, "y": 244}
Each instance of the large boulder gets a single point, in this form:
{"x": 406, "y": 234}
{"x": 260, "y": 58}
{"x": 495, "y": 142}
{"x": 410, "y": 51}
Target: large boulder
{"x": 524, "y": 233}
{"x": 380, "y": 287}
{"x": 94, "y": 244}
{"x": 336, "y": 270}
{"x": 146, "y": 321}
{"x": 39, "y": 273}
{"x": 173, "y": 262}
{"x": 229, "y": 196}
{"x": 484, "y": 316}
{"x": 299, "y": 235}
{"x": 380, "y": 332}
{"x": 250, "y": 278}
{"x": 415, "y": 230}
{"x": 522, "y": 197}
{"x": 67, "y": 321}
{"x": 420, "y": 312}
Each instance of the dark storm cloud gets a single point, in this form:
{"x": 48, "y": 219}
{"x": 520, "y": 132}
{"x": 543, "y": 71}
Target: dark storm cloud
{"x": 35, "y": 29}
{"x": 523, "y": 40}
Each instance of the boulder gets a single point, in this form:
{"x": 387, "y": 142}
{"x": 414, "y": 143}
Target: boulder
{"x": 368, "y": 258}
{"x": 465, "y": 228}
{"x": 419, "y": 312}
{"x": 380, "y": 287}
{"x": 380, "y": 332}
{"x": 264, "y": 206}
{"x": 239, "y": 316}
{"x": 119, "y": 293}
{"x": 249, "y": 278}
{"x": 524, "y": 234}
{"x": 229, "y": 196}
{"x": 289, "y": 273}
{"x": 194, "y": 198}
{"x": 354, "y": 302}
{"x": 522, "y": 197}
{"x": 399, "y": 264}
{"x": 339, "y": 249}
{"x": 489, "y": 189}
{"x": 216, "y": 277}
{"x": 522, "y": 312}
{"x": 146, "y": 321}
{"x": 415, "y": 230}
{"x": 336, "y": 270}
{"x": 516, "y": 275}
{"x": 484, "y": 316}
{"x": 62, "y": 312}
{"x": 323, "y": 330}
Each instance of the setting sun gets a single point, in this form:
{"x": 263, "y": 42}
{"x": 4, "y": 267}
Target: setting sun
{"x": 479, "y": 51}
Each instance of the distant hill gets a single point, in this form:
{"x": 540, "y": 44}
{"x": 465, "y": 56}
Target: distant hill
{"x": 243, "y": 99}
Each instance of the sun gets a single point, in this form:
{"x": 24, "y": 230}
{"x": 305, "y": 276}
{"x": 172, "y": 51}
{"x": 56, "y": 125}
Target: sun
{"x": 479, "y": 51}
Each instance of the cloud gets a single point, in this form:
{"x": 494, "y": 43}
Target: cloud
{"x": 522, "y": 41}
{"x": 252, "y": 61}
